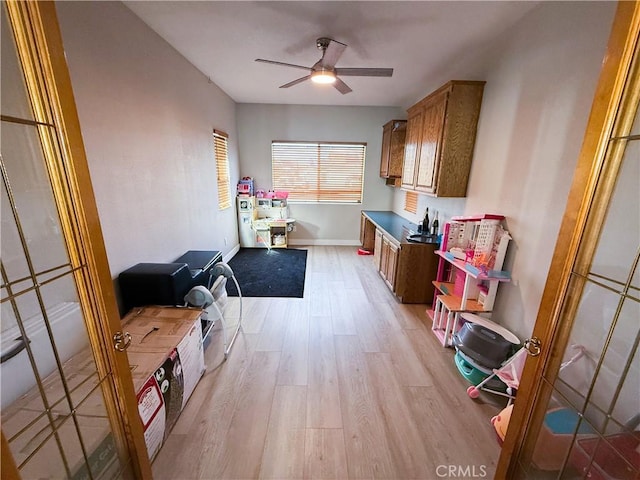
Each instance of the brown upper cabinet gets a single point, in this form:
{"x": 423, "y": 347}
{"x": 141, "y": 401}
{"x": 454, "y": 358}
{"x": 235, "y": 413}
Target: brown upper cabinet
{"x": 441, "y": 134}
{"x": 393, "y": 138}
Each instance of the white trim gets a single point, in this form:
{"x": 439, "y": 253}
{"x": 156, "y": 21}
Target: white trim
{"x": 231, "y": 254}
{"x": 308, "y": 241}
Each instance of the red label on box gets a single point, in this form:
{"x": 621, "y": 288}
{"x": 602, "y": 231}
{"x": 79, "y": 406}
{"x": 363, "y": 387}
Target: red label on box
{"x": 149, "y": 401}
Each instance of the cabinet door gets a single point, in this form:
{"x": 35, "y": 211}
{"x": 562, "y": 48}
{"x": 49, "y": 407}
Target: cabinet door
{"x": 377, "y": 249}
{"x": 392, "y": 264}
{"x": 412, "y": 148}
{"x": 384, "y": 257}
{"x": 367, "y": 233}
{"x": 386, "y": 150}
{"x": 396, "y": 148}
{"x": 430, "y": 144}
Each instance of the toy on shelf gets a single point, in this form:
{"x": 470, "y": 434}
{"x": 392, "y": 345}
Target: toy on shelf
{"x": 245, "y": 187}
{"x": 481, "y": 239}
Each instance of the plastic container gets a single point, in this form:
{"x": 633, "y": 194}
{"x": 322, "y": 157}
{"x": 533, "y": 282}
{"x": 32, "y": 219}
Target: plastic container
{"x": 485, "y": 346}
{"x": 556, "y": 437}
{"x": 474, "y": 374}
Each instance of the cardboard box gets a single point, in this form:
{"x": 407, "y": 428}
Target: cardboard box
{"x": 167, "y": 361}
{"x": 166, "y": 367}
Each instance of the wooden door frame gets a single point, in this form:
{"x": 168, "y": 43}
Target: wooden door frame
{"x": 553, "y": 333}
{"x": 40, "y": 49}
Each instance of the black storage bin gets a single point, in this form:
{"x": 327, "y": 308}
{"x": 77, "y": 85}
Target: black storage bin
{"x": 166, "y": 283}
{"x": 155, "y": 284}
{"x": 486, "y": 347}
{"x": 200, "y": 263}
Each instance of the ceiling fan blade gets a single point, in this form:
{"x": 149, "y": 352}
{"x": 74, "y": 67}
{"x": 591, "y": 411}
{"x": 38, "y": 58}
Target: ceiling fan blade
{"x": 282, "y": 63}
{"x": 364, "y": 72}
{"x": 342, "y": 87}
{"x": 295, "y": 82}
{"x": 333, "y": 53}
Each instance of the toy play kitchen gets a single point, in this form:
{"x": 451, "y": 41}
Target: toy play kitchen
{"x": 263, "y": 218}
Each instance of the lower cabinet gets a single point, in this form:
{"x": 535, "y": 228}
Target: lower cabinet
{"x": 408, "y": 269}
{"x": 416, "y": 267}
{"x": 367, "y": 233}
{"x": 389, "y": 262}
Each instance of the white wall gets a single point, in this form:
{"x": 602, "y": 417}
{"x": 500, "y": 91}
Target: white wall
{"x": 147, "y": 117}
{"x": 259, "y": 125}
{"x": 541, "y": 77}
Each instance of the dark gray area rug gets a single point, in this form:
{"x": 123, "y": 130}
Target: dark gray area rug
{"x": 278, "y": 272}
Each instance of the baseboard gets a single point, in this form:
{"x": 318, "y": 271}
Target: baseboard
{"x": 231, "y": 253}
{"x": 300, "y": 242}
{"x": 319, "y": 242}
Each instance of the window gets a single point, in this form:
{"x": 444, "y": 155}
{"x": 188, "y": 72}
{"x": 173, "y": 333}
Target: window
{"x": 411, "y": 202}
{"x": 222, "y": 166}
{"x": 318, "y": 172}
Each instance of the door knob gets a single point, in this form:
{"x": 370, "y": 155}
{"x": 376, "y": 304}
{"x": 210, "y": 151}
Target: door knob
{"x": 533, "y": 346}
{"x": 121, "y": 341}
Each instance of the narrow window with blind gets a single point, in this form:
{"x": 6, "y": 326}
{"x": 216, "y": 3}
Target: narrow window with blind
{"x": 317, "y": 172}
{"x": 411, "y": 202}
{"x": 222, "y": 168}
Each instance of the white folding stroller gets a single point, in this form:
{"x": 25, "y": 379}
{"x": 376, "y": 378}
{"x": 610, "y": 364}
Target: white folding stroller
{"x": 215, "y": 296}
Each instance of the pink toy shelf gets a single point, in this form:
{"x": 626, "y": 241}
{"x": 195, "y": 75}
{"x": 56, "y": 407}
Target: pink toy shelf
{"x": 472, "y": 253}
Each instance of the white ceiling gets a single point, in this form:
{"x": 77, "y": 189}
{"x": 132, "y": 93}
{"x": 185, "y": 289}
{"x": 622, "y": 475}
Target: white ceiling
{"x": 418, "y": 39}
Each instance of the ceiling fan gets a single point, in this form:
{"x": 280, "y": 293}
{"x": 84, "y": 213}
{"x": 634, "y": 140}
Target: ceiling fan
{"x": 325, "y": 71}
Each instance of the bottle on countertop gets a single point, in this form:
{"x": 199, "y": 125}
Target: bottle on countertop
{"x": 434, "y": 226}
{"x": 425, "y": 222}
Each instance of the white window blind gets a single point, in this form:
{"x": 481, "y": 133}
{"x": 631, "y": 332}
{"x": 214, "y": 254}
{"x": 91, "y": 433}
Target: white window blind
{"x": 222, "y": 167}
{"x": 319, "y": 172}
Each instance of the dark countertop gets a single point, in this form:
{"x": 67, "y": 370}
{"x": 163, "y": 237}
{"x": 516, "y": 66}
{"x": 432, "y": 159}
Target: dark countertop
{"x": 392, "y": 223}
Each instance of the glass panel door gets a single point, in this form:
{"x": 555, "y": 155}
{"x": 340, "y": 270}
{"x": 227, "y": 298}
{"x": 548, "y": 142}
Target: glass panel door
{"x": 591, "y": 427}
{"x": 58, "y": 405}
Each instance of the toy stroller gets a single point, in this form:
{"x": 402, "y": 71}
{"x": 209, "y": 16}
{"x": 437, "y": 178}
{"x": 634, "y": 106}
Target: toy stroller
{"x": 509, "y": 373}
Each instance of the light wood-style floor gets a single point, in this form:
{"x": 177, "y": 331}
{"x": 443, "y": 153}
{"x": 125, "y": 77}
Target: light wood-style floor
{"x": 343, "y": 383}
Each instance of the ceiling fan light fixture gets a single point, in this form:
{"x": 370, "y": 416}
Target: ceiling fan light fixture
{"x": 324, "y": 76}
{"x": 324, "y": 71}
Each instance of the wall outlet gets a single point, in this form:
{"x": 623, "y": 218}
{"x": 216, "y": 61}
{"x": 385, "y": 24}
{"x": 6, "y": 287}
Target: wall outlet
{"x": 225, "y": 241}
